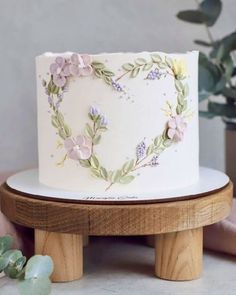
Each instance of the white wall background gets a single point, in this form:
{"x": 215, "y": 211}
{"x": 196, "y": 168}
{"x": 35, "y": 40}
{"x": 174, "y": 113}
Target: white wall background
{"x": 28, "y": 28}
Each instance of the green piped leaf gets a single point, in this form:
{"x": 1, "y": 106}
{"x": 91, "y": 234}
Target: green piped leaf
{"x": 89, "y": 130}
{"x": 126, "y": 179}
{"x": 94, "y": 161}
{"x": 128, "y": 67}
{"x": 135, "y": 72}
{"x": 97, "y": 139}
{"x": 85, "y": 163}
{"x": 128, "y": 166}
{"x": 104, "y": 173}
{"x": 147, "y": 66}
{"x": 140, "y": 61}
{"x": 108, "y": 73}
{"x": 150, "y": 149}
{"x": 98, "y": 65}
{"x": 156, "y": 57}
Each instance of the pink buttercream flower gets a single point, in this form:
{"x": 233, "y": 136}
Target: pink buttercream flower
{"x": 176, "y": 128}
{"x": 80, "y": 65}
{"x": 60, "y": 71}
{"x": 79, "y": 148}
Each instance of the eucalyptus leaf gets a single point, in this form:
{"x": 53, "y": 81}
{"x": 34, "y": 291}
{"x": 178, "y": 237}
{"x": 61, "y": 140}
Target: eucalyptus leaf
{"x": 223, "y": 110}
{"x": 5, "y": 243}
{"x": 193, "y": 16}
{"x": 38, "y": 266}
{"x": 229, "y": 92}
{"x": 38, "y": 286}
{"x": 212, "y": 9}
{"x": 206, "y": 114}
{"x": 229, "y": 43}
{"x": 203, "y": 43}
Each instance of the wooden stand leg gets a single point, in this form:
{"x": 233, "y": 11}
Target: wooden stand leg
{"x": 179, "y": 255}
{"x": 66, "y": 250}
{"x": 85, "y": 241}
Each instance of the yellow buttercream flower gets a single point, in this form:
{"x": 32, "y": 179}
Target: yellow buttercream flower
{"x": 179, "y": 68}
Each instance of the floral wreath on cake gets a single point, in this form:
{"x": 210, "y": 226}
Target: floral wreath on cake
{"x": 82, "y": 147}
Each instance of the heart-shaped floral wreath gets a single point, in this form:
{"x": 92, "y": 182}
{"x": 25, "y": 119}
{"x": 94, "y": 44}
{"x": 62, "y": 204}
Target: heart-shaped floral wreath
{"x": 82, "y": 147}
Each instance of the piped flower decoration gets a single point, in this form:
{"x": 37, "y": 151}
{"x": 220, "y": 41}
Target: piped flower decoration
{"x": 60, "y": 71}
{"x": 176, "y": 128}
{"x": 79, "y": 148}
{"x": 80, "y": 65}
{"x": 179, "y": 69}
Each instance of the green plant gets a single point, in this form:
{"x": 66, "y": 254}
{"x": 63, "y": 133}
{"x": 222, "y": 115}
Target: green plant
{"x": 33, "y": 276}
{"x": 217, "y": 69}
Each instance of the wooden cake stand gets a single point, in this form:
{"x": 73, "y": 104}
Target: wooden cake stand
{"x": 177, "y": 226}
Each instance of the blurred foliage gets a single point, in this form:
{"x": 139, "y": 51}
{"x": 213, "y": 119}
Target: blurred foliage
{"x": 217, "y": 69}
{"x": 33, "y": 276}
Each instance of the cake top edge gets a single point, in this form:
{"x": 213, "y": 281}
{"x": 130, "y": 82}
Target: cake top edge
{"x": 69, "y": 53}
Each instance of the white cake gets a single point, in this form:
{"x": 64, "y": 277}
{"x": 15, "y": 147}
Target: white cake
{"x": 118, "y": 124}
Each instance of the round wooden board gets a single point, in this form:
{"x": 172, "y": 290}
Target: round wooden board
{"x": 93, "y": 219}
{"x": 27, "y": 182}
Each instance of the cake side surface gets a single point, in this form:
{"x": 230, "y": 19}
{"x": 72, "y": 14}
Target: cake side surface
{"x": 121, "y": 123}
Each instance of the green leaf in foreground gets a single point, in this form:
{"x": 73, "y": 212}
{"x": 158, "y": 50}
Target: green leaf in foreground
{"x": 39, "y": 266}
{"x": 38, "y": 286}
{"x": 5, "y": 243}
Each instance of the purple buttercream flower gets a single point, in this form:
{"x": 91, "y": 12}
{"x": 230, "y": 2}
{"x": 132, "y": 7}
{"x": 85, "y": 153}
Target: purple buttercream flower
{"x": 79, "y": 148}
{"x": 80, "y": 65}
{"x": 60, "y": 71}
{"x": 176, "y": 128}
{"x": 116, "y": 86}
{"x": 104, "y": 121}
{"x": 140, "y": 150}
{"x": 154, "y": 161}
{"x": 154, "y": 74}
{"x": 94, "y": 111}
{"x": 50, "y": 101}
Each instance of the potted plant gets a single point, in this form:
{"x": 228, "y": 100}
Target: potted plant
{"x": 217, "y": 75}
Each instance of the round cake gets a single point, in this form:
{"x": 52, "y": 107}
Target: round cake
{"x": 118, "y": 123}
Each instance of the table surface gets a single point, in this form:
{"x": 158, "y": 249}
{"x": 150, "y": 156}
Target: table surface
{"x": 126, "y": 266}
